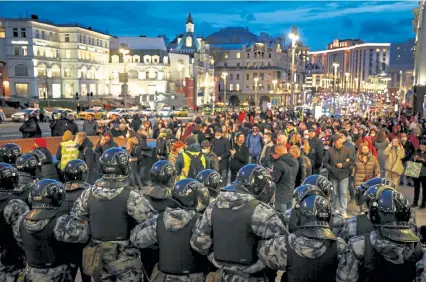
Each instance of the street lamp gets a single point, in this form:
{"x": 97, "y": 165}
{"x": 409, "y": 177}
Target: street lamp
{"x": 224, "y": 75}
{"x": 124, "y": 52}
{"x": 356, "y": 84}
{"x": 274, "y": 82}
{"x": 256, "y": 79}
{"x": 335, "y": 66}
{"x": 294, "y": 36}
{"x": 346, "y": 81}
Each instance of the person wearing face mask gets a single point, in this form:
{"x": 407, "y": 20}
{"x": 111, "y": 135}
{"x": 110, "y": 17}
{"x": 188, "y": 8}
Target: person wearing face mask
{"x": 30, "y": 127}
{"x": 211, "y": 158}
{"x": 394, "y": 167}
{"x": 86, "y": 154}
{"x": 409, "y": 151}
{"x": 366, "y": 166}
{"x": 420, "y": 157}
{"x": 254, "y": 143}
{"x": 239, "y": 156}
{"x": 222, "y": 148}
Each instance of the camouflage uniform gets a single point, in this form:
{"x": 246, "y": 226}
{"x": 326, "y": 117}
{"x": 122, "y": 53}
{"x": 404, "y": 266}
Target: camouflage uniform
{"x": 75, "y": 232}
{"x": 120, "y": 260}
{"x": 145, "y": 235}
{"x": 352, "y": 261}
{"x": 26, "y": 183}
{"x": 265, "y": 224}
{"x": 11, "y": 213}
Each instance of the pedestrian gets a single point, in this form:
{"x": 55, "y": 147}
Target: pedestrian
{"x": 394, "y": 168}
{"x": 90, "y": 126}
{"x": 284, "y": 174}
{"x": 420, "y": 157}
{"x": 267, "y": 148}
{"x": 71, "y": 125}
{"x": 192, "y": 161}
{"x": 106, "y": 141}
{"x": 41, "y": 115}
{"x": 86, "y": 154}
{"x": 339, "y": 161}
{"x": 30, "y": 127}
{"x": 211, "y": 158}
{"x": 254, "y": 143}
{"x": 222, "y": 148}
{"x": 58, "y": 125}
{"x": 318, "y": 146}
{"x": 305, "y": 168}
{"x": 134, "y": 150}
{"x": 67, "y": 151}
{"x": 44, "y": 157}
{"x": 136, "y": 123}
{"x": 409, "y": 152}
{"x": 177, "y": 148}
{"x": 239, "y": 156}
{"x": 382, "y": 142}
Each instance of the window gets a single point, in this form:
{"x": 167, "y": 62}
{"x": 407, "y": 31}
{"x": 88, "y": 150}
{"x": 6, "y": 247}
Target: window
{"x": 37, "y": 33}
{"x": 231, "y": 77}
{"x": 155, "y": 59}
{"x": 15, "y": 32}
{"x": 147, "y": 59}
{"x": 152, "y": 74}
{"x": 136, "y": 59}
{"x": 262, "y": 76}
{"x": 188, "y": 41}
{"x": 67, "y": 37}
{"x": 97, "y": 42}
{"x": 83, "y": 72}
{"x": 238, "y": 76}
{"x": 238, "y": 65}
{"x": 56, "y": 71}
{"x": 21, "y": 70}
{"x": 21, "y": 89}
{"x": 67, "y": 72}
{"x": 56, "y": 37}
{"x": 231, "y": 87}
{"x": 238, "y": 55}
{"x": 270, "y": 55}
{"x": 42, "y": 34}
{"x": 23, "y": 32}
{"x": 51, "y": 36}
{"x": 133, "y": 74}
{"x": 24, "y": 51}
{"x": 101, "y": 43}
{"x": 248, "y": 77}
{"x": 226, "y": 55}
{"x": 80, "y": 38}
{"x": 67, "y": 54}
{"x": 248, "y": 55}
{"x": 57, "y": 54}
{"x": 41, "y": 70}
{"x": 84, "y": 39}
{"x": 2, "y": 32}
{"x": 237, "y": 87}
{"x": 16, "y": 50}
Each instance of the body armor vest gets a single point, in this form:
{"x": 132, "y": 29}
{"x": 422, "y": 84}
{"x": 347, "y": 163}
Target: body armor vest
{"x": 363, "y": 225}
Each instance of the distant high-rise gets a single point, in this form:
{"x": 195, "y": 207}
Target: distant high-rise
{"x": 402, "y": 55}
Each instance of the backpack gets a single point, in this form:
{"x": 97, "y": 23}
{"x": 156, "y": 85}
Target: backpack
{"x": 162, "y": 147}
{"x": 195, "y": 166}
{"x": 136, "y": 151}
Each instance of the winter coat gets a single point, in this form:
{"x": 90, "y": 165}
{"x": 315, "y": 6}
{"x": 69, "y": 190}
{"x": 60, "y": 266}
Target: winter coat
{"x": 423, "y": 155}
{"x": 305, "y": 169}
{"x": 394, "y": 159}
{"x": 47, "y": 169}
{"x": 318, "y": 146}
{"x": 30, "y": 128}
{"x": 59, "y": 127}
{"x": 365, "y": 171}
{"x": 240, "y": 158}
{"x": 284, "y": 173}
{"x": 266, "y": 152}
{"x": 409, "y": 151}
{"x": 90, "y": 127}
{"x": 212, "y": 161}
{"x": 88, "y": 156}
{"x": 254, "y": 144}
{"x": 136, "y": 123}
{"x": 72, "y": 126}
{"x": 131, "y": 142}
{"x": 222, "y": 148}
{"x": 334, "y": 156}
{"x": 381, "y": 147}
{"x": 100, "y": 149}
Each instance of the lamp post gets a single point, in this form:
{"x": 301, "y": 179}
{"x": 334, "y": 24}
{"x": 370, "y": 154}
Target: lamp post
{"x": 356, "y": 84}
{"x": 124, "y": 52}
{"x": 346, "y": 81}
{"x": 224, "y": 75}
{"x": 256, "y": 79}
{"x": 294, "y": 36}
{"x": 2, "y": 65}
{"x": 274, "y": 82}
{"x": 335, "y": 66}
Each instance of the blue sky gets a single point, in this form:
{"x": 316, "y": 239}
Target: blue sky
{"x": 319, "y": 22}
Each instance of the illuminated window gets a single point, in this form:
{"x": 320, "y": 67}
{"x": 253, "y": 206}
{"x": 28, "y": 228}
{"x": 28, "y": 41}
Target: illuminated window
{"x": 2, "y": 32}
{"x": 21, "y": 89}
{"x": 377, "y": 50}
{"x": 226, "y": 55}
{"x": 67, "y": 72}
{"x": 231, "y": 87}
{"x": 238, "y": 55}
{"x": 56, "y": 71}
{"x": 41, "y": 70}
{"x": 188, "y": 41}
{"x": 21, "y": 70}
{"x": 152, "y": 74}
{"x": 133, "y": 74}
{"x": 237, "y": 87}
{"x": 67, "y": 37}
{"x": 24, "y": 51}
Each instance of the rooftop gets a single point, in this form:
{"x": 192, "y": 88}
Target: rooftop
{"x": 231, "y": 35}
{"x": 140, "y": 43}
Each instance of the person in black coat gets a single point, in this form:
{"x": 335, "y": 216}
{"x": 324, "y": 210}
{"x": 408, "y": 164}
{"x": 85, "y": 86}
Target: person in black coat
{"x": 30, "y": 127}
{"x": 47, "y": 169}
{"x": 58, "y": 125}
{"x": 136, "y": 123}
{"x": 222, "y": 148}
{"x": 105, "y": 143}
{"x": 239, "y": 156}
{"x": 318, "y": 147}
{"x": 71, "y": 125}
{"x": 87, "y": 155}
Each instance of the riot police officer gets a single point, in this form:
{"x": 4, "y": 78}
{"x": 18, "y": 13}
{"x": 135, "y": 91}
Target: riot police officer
{"x": 159, "y": 194}
{"x": 236, "y": 225}
{"x": 212, "y": 180}
{"x": 172, "y": 232}
{"x": 9, "y": 153}
{"x": 388, "y": 253}
{"x": 40, "y": 234}
{"x": 11, "y": 208}
{"x": 27, "y": 166}
{"x": 112, "y": 210}
{"x": 75, "y": 174}
{"x": 360, "y": 190}
{"x": 361, "y": 223}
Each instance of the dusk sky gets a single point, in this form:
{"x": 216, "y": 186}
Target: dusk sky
{"x": 319, "y": 22}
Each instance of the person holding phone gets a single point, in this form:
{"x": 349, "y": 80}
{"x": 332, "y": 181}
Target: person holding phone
{"x": 394, "y": 167}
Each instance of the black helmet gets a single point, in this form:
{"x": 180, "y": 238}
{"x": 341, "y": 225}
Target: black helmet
{"x": 371, "y": 193}
{"x": 211, "y": 179}
{"x": 9, "y": 153}
{"x": 321, "y": 182}
{"x": 390, "y": 213}
{"x": 163, "y": 172}
{"x": 76, "y": 170}
{"x": 314, "y": 217}
{"x": 47, "y": 194}
{"x": 114, "y": 163}
{"x": 191, "y": 194}
{"x": 9, "y": 177}
{"x": 253, "y": 178}
{"x": 360, "y": 190}
{"x": 41, "y": 157}
{"x": 305, "y": 190}
{"x": 27, "y": 163}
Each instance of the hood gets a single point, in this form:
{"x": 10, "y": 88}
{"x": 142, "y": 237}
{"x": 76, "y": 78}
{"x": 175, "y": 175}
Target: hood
{"x": 46, "y": 152}
{"x": 105, "y": 189}
{"x": 176, "y": 219}
{"x": 195, "y": 147}
{"x": 394, "y": 252}
{"x": 289, "y": 160}
{"x": 232, "y": 200}
{"x": 35, "y": 225}
{"x": 86, "y": 143}
{"x": 308, "y": 247}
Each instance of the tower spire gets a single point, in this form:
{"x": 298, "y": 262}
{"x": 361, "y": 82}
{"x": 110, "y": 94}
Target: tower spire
{"x": 189, "y": 18}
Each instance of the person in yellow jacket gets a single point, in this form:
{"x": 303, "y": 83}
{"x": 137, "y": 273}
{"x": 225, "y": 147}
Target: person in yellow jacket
{"x": 394, "y": 168}
{"x": 185, "y": 159}
{"x": 67, "y": 151}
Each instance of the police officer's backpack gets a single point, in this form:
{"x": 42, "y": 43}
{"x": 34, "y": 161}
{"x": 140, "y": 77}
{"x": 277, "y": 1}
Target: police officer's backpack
{"x": 196, "y": 165}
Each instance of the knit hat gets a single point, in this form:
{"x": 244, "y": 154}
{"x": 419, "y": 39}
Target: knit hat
{"x": 67, "y": 136}
{"x": 41, "y": 142}
{"x": 190, "y": 140}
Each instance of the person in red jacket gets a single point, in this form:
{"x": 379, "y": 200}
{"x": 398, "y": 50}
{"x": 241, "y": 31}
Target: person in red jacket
{"x": 241, "y": 116}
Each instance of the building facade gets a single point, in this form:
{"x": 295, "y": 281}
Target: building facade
{"x": 419, "y": 26}
{"x": 351, "y": 63}
{"x": 54, "y": 61}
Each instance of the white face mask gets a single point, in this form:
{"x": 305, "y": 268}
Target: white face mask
{"x": 205, "y": 151}
{"x": 181, "y": 150}
{"x": 217, "y": 137}
{"x": 127, "y": 135}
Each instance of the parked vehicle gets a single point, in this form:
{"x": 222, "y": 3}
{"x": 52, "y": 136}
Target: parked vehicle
{"x": 165, "y": 112}
{"x": 19, "y": 116}
{"x": 97, "y": 114}
{"x": 120, "y": 112}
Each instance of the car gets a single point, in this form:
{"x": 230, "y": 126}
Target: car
{"x": 181, "y": 112}
{"x": 97, "y": 114}
{"x": 64, "y": 111}
{"x": 119, "y": 112}
{"x": 19, "y": 116}
{"x": 148, "y": 112}
{"x": 165, "y": 112}
{"x": 207, "y": 110}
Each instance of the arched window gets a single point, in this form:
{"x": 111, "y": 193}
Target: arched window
{"x": 67, "y": 72}
{"x": 56, "y": 71}
{"x": 41, "y": 70}
{"x": 83, "y": 72}
{"x": 21, "y": 70}
{"x": 92, "y": 73}
{"x": 188, "y": 41}
{"x": 133, "y": 74}
{"x": 151, "y": 74}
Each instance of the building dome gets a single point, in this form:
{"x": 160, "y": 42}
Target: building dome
{"x": 231, "y": 35}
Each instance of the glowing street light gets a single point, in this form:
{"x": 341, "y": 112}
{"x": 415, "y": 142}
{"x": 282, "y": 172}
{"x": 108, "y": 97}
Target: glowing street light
{"x": 224, "y": 75}
{"x": 124, "y": 52}
{"x": 294, "y": 36}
